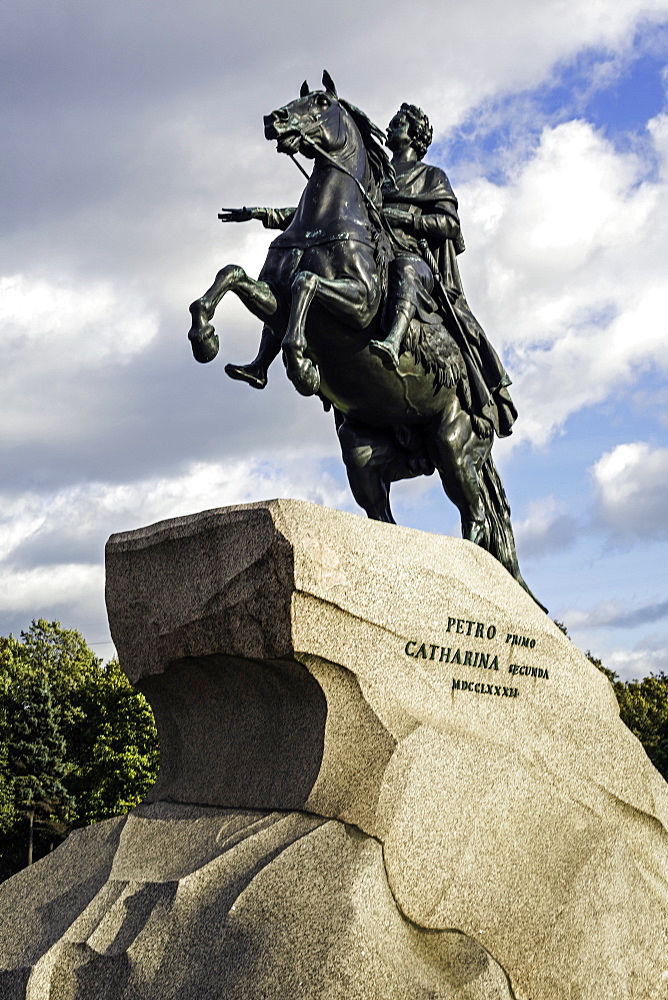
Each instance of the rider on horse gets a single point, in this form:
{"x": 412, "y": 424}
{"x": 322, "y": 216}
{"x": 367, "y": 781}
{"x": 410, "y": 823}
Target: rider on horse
{"x": 437, "y": 405}
{"x": 420, "y": 206}
{"x": 423, "y": 208}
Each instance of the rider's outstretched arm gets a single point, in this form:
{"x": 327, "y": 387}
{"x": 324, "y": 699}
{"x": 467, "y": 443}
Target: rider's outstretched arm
{"x": 271, "y": 218}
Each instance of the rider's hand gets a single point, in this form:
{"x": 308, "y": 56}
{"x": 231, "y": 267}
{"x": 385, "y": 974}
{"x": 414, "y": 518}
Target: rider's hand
{"x": 399, "y": 217}
{"x": 240, "y": 214}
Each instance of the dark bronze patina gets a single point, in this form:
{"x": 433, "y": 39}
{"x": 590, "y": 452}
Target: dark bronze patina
{"x": 361, "y": 293}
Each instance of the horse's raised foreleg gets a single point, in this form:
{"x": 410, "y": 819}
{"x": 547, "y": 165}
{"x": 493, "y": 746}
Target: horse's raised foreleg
{"x": 303, "y": 374}
{"x": 354, "y": 299}
{"x": 257, "y": 296}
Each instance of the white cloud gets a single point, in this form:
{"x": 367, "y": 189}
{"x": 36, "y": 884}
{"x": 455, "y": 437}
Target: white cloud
{"x": 615, "y": 632}
{"x": 51, "y": 546}
{"x": 567, "y": 271}
{"x": 55, "y": 336}
{"x": 546, "y": 527}
{"x": 96, "y": 509}
{"x": 615, "y": 614}
{"x": 49, "y": 587}
{"x": 133, "y": 220}
{"x": 631, "y": 486}
{"x": 92, "y": 324}
{"x": 634, "y": 664}
{"x": 491, "y": 47}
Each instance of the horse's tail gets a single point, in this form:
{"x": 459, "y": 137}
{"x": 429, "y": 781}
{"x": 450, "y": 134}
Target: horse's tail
{"x": 499, "y": 538}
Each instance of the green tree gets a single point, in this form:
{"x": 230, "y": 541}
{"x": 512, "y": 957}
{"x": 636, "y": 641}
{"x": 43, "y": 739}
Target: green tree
{"x": 643, "y": 706}
{"x": 7, "y": 809}
{"x": 36, "y": 754}
{"x": 64, "y": 657}
{"x": 107, "y": 727}
{"x": 117, "y": 752}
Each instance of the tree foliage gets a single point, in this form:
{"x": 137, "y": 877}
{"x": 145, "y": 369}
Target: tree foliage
{"x": 37, "y": 758}
{"x": 643, "y": 706}
{"x": 78, "y": 743}
{"x": 116, "y": 746}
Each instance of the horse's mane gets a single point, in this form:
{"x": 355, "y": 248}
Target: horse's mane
{"x": 379, "y": 162}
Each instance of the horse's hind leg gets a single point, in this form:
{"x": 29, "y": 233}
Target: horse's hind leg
{"x": 372, "y": 462}
{"x": 257, "y": 296}
{"x": 457, "y": 454}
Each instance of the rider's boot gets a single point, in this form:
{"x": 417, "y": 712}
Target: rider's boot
{"x": 255, "y": 374}
{"x": 390, "y": 348}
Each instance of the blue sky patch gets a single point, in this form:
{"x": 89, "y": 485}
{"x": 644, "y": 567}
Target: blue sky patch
{"x": 617, "y": 96}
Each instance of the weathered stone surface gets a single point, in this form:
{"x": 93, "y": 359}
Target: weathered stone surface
{"x": 236, "y": 905}
{"x": 401, "y": 702}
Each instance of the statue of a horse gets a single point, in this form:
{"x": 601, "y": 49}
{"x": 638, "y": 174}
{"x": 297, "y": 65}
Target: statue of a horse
{"x": 319, "y": 295}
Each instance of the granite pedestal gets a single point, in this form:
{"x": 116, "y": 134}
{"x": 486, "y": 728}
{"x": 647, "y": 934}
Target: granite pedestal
{"x": 386, "y": 775}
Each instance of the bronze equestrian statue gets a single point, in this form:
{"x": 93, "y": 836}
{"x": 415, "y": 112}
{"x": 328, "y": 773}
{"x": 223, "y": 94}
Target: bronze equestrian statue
{"x": 361, "y": 293}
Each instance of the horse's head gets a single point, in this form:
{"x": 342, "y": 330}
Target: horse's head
{"x": 315, "y": 117}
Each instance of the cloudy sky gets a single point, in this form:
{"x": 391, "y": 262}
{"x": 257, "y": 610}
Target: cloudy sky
{"x": 128, "y": 125}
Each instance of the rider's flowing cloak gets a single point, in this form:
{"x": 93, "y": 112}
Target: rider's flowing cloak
{"x": 426, "y": 190}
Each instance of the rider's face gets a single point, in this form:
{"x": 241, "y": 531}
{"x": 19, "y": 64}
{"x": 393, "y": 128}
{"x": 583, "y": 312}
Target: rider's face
{"x": 398, "y": 132}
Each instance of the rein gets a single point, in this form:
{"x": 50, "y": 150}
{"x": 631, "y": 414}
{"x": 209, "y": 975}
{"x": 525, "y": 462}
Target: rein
{"x": 299, "y": 166}
{"x": 386, "y": 227}
{"x": 381, "y": 223}
{"x": 373, "y": 211}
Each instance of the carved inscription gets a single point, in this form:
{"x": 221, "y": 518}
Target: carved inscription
{"x": 467, "y": 657}
{"x": 525, "y": 671}
{"x": 498, "y": 689}
{"x": 520, "y": 640}
{"x": 484, "y": 660}
{"x": 462, "y": 626}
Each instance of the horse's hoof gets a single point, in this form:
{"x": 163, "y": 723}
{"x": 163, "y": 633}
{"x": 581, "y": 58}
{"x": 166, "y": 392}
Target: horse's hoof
{"x": 306, "y": 379}
{"x": 386, "y": 351}
{"x": 253, "y": 375}
{"x": 204, "y": 342}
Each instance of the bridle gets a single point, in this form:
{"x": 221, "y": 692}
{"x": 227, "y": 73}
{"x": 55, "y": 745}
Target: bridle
{"x": 381, "y": 222}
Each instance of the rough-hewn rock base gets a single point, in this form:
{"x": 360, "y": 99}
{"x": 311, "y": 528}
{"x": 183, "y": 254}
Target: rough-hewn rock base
{"x": 183, "y": 902}
{"x": 385, "y": 774}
